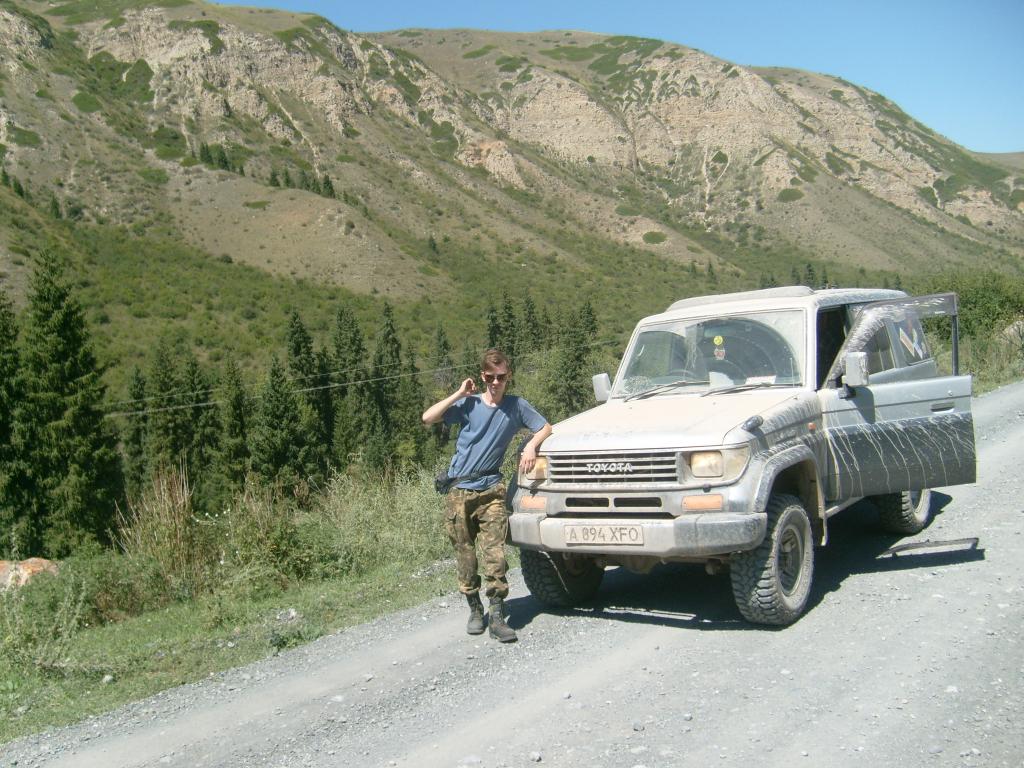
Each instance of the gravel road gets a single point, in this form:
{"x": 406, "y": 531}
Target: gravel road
{"x": 912, "y": 660}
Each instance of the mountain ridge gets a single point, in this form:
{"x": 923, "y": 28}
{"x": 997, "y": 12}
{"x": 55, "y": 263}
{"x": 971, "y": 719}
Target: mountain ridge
{"x": 457, "y": 154}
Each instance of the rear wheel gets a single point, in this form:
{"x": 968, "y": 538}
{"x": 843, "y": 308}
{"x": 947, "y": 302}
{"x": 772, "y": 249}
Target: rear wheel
{"x": 558, "y": 579}
{"x": 771, "y": 583}
{"x": 904, "y": 513}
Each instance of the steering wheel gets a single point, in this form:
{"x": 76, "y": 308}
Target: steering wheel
{"x": 684, "y": 373}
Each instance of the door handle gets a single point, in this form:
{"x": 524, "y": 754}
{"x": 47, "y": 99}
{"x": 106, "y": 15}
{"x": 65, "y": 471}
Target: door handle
{"x": 945, "y": 405}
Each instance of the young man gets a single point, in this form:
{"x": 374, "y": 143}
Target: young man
{"x": 475, "y": 506}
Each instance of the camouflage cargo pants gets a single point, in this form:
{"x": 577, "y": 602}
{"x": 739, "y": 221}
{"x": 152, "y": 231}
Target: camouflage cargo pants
{"x": 478, "y": 518}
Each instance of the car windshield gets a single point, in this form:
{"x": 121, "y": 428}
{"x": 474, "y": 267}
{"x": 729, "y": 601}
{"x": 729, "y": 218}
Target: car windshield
{"x": 709, "y": 353}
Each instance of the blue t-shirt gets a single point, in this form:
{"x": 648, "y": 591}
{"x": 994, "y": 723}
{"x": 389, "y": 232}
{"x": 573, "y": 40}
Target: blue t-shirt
{"x": 485, "y": 434}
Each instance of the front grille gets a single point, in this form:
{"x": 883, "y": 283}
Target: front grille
{"x": 612, "y": 469}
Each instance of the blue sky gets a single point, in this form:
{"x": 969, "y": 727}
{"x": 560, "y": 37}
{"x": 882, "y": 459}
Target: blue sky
{"x": 955, "y": 65}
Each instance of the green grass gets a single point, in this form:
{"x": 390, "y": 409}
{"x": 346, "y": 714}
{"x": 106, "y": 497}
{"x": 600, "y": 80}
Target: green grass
{"x": 790, "y": 195}
{"x": 24, "y": 137}
{"x": 83, "y": 11}
{"x": 478, "y": 52}
{"x": 86, "y": 102}
{"x": 154, "y": 175}
{"x": 928, "y": 195}
{"x": 259, "y": 205}
{"x": 163, "y": 613}
{"x": 209, "y": 28}
{"x": 653, "y": 238}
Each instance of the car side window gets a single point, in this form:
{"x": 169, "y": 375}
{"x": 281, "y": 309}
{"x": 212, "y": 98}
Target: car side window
{"x": 831, "y": 333}
{"x": 913, "y": 345}
{"x": 879, "y": 350}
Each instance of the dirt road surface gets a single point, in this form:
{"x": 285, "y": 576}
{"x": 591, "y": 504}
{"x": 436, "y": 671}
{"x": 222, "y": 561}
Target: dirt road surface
{"x": 912, "y": 660}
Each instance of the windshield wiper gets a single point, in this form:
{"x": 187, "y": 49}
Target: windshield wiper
{"x": 665, "y": 388}
{"x": 745, "y": 387}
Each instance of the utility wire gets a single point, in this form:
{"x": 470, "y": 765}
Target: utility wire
{"x": 333, "y": 385}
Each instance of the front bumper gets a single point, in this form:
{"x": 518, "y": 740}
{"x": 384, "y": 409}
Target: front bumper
{"x": 689, "y": 535}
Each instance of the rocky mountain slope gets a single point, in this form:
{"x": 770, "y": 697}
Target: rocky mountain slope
{"x": 413, "y": 164}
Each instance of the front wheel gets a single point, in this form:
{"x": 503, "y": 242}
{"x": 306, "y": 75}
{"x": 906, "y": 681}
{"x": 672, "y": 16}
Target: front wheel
{"x": 560, "y": 580}
{"x": 772, "y": 582}
{"x": 904, "y": 513}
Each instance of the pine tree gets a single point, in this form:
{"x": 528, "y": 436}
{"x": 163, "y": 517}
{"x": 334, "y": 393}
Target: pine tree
{"x": 810, "y": 278}
{"x": 235, "y": 417}
{"x": 588, "y": 322}
{"x": 509, "y": 332}
{"x": 219, "y": 158}
{"x": 300, "y": 350}
{"x": 14, "y": 485}
{"x": 326, "y": 187}
{"x": 530, "y": 338}
{"x": 445, "y": 374}
{"x": 568, "y": 385}
{"x": 318, "y": 416}
{"x": 410, "y": 435}
{"x": 5, "y": 177}
{"x": 794, "y": 276}
{"x": 200, "y": 427}
{"x": 72, "y": 449}
{"x": 273, "y": 180}
{"x": 348, "y": 360}
{"x": 133, "y": 441}
{"x": 277, "y": 440}
{"x": 167, "y": 431}
{"x": 322, "y": 401}
{"x": 9, "y": 374}
{"x": 387, "y": 364}
{"x": 286, "y": 179}
{"x": 17, "y": 188}
{"x": 494, "y": 329}
{"x": 383, "y": 390}
{"x": 55, "y": 207}
{"x": 204, "y": 154}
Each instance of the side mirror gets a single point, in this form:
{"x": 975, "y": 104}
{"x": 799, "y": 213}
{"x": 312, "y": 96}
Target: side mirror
{"x": 856, "y": 369}
{"x": 602, "y": 387}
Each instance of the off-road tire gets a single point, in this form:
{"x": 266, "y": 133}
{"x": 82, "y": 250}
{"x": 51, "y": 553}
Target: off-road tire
{"x": 560, "y": 581}
{"x": 772, "y": 582}
{"x": 904, "y": 513}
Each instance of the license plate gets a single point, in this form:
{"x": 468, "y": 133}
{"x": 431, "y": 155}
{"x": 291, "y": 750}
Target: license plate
{"x": 604, "y": 534}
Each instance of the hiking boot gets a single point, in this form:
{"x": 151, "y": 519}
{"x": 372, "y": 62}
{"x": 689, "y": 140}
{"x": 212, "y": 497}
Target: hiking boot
{"x": 500, "y": 631}
{"x": 475, "y": 625}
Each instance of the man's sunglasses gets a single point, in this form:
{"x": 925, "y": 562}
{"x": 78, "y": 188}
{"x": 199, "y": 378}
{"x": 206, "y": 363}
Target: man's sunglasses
{"x": 494, "y": 378}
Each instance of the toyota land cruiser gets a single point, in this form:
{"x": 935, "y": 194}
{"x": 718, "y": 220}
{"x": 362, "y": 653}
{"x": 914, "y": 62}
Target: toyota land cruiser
{"x": 736, "y": 426}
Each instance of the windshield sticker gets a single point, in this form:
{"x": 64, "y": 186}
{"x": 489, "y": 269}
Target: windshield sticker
{"x": 719, "y": 353}
{"x": 718, "y": 341}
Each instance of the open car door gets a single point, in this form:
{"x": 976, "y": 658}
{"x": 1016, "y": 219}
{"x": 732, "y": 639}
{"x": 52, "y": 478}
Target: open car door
{"x": 902, "y": 426}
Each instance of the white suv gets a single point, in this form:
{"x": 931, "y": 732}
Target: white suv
{"x": 736, "y": 427}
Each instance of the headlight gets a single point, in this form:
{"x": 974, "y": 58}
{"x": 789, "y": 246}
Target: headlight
{"x": 707, "y": 464}
{"x": 725, "y": 464}
{"x": 539, "y": 471}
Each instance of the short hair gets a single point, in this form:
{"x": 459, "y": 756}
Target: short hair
{"x": 494, "y": 358}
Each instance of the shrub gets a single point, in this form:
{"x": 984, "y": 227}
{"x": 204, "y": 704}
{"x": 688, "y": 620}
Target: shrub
{"x": 789, "y": 195}
{"x": 86, "y": 102}
{"x": 654, "y": 238}
{"x": 160, "y": 531}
